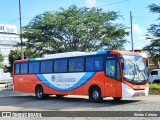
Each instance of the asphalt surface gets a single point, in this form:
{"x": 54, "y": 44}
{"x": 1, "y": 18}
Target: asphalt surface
{"x": 16, "y": 101}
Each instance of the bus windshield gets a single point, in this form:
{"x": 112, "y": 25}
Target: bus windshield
{"x": 134, "y": 68}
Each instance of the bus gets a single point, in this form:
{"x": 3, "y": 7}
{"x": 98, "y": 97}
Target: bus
{"x": 110, "y": 73}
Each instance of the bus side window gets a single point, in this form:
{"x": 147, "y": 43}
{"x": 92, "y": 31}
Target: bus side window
{"x": 34, "y": 67}
{"x": 94, "y": 63}
{"x": 76, "y": 64}
{"x": 24, "y": 68}
{"x": 31, "y": 68}
{"x": 46, "y": 66}
{"x": 60, "y": 65}
{"x": 17, "y": 69}
{"x": 111, "y": 68}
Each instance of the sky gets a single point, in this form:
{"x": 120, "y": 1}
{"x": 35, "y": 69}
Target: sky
{"x": 142, "y": 17}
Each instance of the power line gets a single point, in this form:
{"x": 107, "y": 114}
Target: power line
{"x": 28, "y": 18}
{"x": 13, "y": 20}
{"x": 17, "y": 20}
{"x": 113, "y": 3}
{"x": 144, "y": 17}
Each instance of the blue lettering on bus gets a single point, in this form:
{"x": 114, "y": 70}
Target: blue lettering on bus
{"x": 60, "y": 78}
{"x": 1, "y": 27}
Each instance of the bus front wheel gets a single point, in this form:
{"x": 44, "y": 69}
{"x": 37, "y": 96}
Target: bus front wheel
{"x": 40, "y": 94}
{"x": 96, "y": 95}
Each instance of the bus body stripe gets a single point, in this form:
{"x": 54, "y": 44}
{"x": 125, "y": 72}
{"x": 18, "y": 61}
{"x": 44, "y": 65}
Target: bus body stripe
{"x": 87, "y": 76}
{"x": 32, "y": 59}
{"x": 104, "y": 52}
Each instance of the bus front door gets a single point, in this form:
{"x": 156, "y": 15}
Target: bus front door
{"x": 112, "y": 79}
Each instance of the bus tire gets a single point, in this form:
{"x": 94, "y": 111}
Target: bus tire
{"x": 59, "y": 96}
{"x": 96, "y": 95}
{"x": 117, "y": 98}
{"x": 40, "y": 94}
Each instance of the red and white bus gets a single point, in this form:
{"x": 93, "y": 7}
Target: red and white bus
{"x": 101, "y": 74}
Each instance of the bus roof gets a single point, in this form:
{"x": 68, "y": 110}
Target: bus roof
{"x": 66, "y": 54}
{"x": 77, "y": 53}
{"x": 74, "y": 54}
{"x": 69, "y": 54}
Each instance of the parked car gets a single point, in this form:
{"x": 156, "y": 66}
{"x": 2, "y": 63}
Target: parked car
{"x": 154, "y": 76}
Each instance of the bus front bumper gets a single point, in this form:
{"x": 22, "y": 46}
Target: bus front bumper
{"x": 127, "y": 91}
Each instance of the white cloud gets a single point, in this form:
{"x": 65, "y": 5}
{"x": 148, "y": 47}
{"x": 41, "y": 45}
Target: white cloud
{"x": 137, "y": 29}
{"x": 90, "y": 3}
{"x": 138, "y": 38}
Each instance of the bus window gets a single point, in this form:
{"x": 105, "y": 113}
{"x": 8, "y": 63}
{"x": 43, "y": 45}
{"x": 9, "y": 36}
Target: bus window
{"x": 76, "y": 65}
{"x": 60, "y": 65}
{"x": 46, "y": 66}
{"x": 31, "y": 68}
{"x": 17, "y": 68}
{"x": 24, "y": 68}
{"x": 34, "y": 67}
{"x": 111, "y": 67}
{"x": 94, "y": 63}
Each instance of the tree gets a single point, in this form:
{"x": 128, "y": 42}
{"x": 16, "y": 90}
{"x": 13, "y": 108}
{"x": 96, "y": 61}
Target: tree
{"x": 154, "y": 48}
{"x": 16, "y": 55}
{"x": 74, "y": 29}
{"x": 1, "y": 60}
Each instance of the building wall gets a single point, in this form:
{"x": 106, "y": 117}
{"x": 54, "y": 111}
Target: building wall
{"x": 8, "y": 42}
{"x": 9, "y": 37}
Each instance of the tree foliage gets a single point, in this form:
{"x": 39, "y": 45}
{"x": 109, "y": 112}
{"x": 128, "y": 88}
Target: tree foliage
{"x": 154, "y": 48}
{"x": 1, "y": 60}
{"x": 16, "y": 55}
{"x": 74, "y": 29}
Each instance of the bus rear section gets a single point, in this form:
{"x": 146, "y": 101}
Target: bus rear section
{"x": 97, "y": 75}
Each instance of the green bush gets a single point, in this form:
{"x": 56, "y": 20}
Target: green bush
{"x": 154, "y": 88}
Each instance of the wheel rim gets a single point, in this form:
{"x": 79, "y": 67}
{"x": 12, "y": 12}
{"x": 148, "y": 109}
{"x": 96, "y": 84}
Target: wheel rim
{"x": 39, "y": 93}
{"x": 95, "y": 94}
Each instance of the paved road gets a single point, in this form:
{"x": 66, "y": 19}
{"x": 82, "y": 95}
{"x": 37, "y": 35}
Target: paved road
{"x": 16, "y": 101}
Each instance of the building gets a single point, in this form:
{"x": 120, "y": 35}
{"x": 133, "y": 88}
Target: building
{"x": 9, "y": 37}
{"x": 148, "y": 60}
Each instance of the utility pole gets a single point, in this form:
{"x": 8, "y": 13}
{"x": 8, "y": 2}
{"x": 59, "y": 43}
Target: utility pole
{"x": 132, "y": 44}
{"x": 22, "y": 56}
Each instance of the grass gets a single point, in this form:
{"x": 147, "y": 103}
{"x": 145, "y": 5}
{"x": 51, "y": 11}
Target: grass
{"x": 154, "y": 88}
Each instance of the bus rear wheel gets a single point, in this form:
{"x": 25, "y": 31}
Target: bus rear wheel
{"x": 40, "y": 94}
{"x": 95, "y": 95}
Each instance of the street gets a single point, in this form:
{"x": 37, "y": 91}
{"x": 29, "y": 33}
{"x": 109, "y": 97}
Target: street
{"x": 16, "y": 101}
